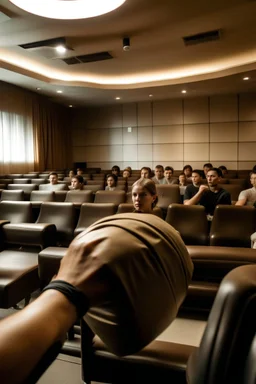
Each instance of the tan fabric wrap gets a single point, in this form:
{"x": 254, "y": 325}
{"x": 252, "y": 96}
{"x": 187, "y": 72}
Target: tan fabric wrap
{"x": 150, "y": 270}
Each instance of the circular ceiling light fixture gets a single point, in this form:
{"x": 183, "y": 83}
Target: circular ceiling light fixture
{"x": 68, "y": 9}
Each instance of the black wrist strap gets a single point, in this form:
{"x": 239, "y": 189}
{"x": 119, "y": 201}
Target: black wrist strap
{"x": 73, "y": 294}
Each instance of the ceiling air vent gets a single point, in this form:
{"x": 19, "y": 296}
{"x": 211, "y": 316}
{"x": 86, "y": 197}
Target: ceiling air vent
{"x": 88, "y": 58}
{"x": 200, "y": 38}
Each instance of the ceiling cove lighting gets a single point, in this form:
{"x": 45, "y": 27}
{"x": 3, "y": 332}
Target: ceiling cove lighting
{"x": 68, "y": 9}
{"x": 246, "y": 78}
{"x": 184, "y": 91}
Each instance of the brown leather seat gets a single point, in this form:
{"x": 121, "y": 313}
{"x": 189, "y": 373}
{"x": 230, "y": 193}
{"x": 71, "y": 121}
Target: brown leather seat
{"x": 190, "y": 221}
{"x": 27, "y": 188}
{"x": 227, "y": 347}
{"x": 17, "y": 195}
{"x": 167, "y": 194}
{"x": 232, "y": 226}
{"x": 79, "y": 197}
{"x": 233, "y": 189}
{"x": 93, "y": 188}
{"x": 60, "y": 196}
{"x": 116, "y": 197}
{"x": 16, "y": 211}
{"x": 38, "y": 181}
{"x": 55, "y": 187}
{"x": 91, "y": 212}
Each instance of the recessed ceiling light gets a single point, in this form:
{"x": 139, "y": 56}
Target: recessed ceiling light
{"x": 150, "y": 95}
{"x": 70, "y": 106}
{"x": 68, "y": 9}
{"x": 246, "y": 78}
{"x": 59, "y": 91}
{"x": 118, "y": 98}
{"x": 38, "y": 89}
{"x": 184, "y": 91}
{"x": 61, "y": 49}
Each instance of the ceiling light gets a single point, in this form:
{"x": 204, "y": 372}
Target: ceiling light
{"x": 68, "y": 9}
{"x": 61, "y": 49}
{"x": 184, "y": 91}
{"x": 150, "y": 95}
{"x": 246, "y": 78}
{"x": 70, "y": 106}
{"x": 118, "y": 98}
{"x": 59, "y": 91}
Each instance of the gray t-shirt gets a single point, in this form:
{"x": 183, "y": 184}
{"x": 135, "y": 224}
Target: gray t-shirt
{"x": 159, "y": 181}
{"x": 249, "y": 195}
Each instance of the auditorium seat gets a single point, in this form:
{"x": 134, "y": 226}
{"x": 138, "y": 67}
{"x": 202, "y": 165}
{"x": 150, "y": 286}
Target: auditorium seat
{"x": 167, "y": 194}
{"x": 116, "y": 197}
{"x": 233, "y": 189}
{"x": 79, "y": 197}
{"x": 14, "y": 176}
{"x": 60, "y": 196}
{"x": 93, "y": 188}
{"x": 27, "y": 188}
{"x": 16, "y": 195}
{"x": 91, "y": 212}
{"x": 190, "y": 221}
{"x": 232, "y": 226}
{"x": 51, "y": 187}
{"x": 126, "y": 207}
{"x": 30, "y": 175}
{"x": 37, "y": 197}
{"x": 21, "y": 181}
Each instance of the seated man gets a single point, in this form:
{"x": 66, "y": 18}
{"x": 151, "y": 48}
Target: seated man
{"x": 159, "y": 175}
{"x": 194, "y": 191}
{"x": 206, "y": 168}
{"x": 54, "y": 185}
{"x": 53, "y": 178}
{"x": 77, "y": 183}
{"x": 145, "y": 173}
{"x": 248, "y": 196}
{"x": 168, "y": 174}
{"x": 212, "y": 195}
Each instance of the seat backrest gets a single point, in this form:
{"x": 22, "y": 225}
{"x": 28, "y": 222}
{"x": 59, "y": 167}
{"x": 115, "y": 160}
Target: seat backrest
{"x": 60, "y": 196}
{"x": 30, "y": 175}
{"x": 93, "y": 188}
{"x": 38, "y": 181}
{"x": 16, "y": 211}
{"x": 16, "y": 195}
{"x": 27, "y": 188}
{"x": 21, "y": 181}
{"x": 126, "y": 207}
{"x": 77, "y": 196}
{"x": 190, "y": 221}
{"x": 55, "y": 187}
{"x": 232, "y": 226}
{"x": 63, "y": 216}
{"x": 116, "y": 197}
{"x": 91, "y": 212}
{"x": 42, "y": 196}
{"x": 228, "y": 342}
{"x": 167, "y": 194}
{"x": 233, "y": 189}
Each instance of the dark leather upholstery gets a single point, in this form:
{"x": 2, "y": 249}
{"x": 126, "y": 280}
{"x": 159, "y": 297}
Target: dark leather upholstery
{"x": 16, "y": 211}
{"x": 79, "y": 197}
{"x": 190, "y": 221}
{"x": 27, "y": 188}
{"x": 126, "y": 207}
{"x": 229, "y": 335}
{"x": 167, "y": 194}
{"x": 91, "y": 212}
{"x": 233, "y": 189}
{"x": 12, "y": 195}
{"x": 116, "y": 197}
{"x": 232, "y": 226}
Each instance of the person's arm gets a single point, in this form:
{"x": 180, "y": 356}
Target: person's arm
{"x": 197, "y": 197}
{"x": 242, "y": 199}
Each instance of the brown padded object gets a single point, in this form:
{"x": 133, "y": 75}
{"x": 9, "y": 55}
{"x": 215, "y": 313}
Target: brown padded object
{"x": 167, "y": 194}
{"x": 149, "y": 269}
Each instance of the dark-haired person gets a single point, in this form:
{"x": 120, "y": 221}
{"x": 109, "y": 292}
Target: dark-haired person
{"x": 206, "y": 168}
{"x": 224, "y": 170}
{"x": 248, "y": 196}
{"x": 159, "y": 175}
{"x": 168, "y": 174}
{"x": 194, "y": 191}
{"x": 187, "y": 170}
{"x": 111, "y": 182}
{"x": 144, "y": 196}
{"x": 77, "y": 183}
{"x": 145, "y": 173}
{"x": 115, "y": 170}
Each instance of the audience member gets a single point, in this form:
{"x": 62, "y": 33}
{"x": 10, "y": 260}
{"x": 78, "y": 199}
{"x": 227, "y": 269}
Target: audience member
{"x": 145, "y": 173}
{"x": 159, "y": 175}
{"x": 183, "y": 182}
{"x": 168, "y": 174}
{"x": 126, "y": 173}
{"x": 224, "y": 170}
{"x": 144, "y": 196}
{"x": 194, "y": 191}
{"x": 77, "y": 183}
{"x": 248, "y": 196}
{"x": 79, "y": 171}
{"x": 71, "y": 174}
{"x": 53, "y": 178}
{"x": 115, "y": 170}
{"x": 111, "y": 182}
{"x": 212, "y": 195}
{"x": 187, "y": 170}
{"x": 206, "y": 168}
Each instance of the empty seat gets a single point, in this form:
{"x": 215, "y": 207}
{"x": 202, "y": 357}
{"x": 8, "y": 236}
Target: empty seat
{"x": 30, "y": 175}
{"x": 51, "y": 187}
{"x": 40, "y": 196}
{"x": 16, "y": 211}
{"x": 6, "y": 181}
{"x": 93, "y": 188}
{"x": 232, "y": 226}
{"x": 27, "y": 188}
{"x": 116, "y": 197}
{"x": 190, "y": 221}
{"x": 38, "y": 181}
{"x": 14, "y": 176}
{"x": 16, "y": 195}
{"x": 79, "y": 197}
{"x": 167, "y": 194}
{"x": 91, "y": 212}
{"x": 60, "y": 196}
{"x": 21, "y": 181}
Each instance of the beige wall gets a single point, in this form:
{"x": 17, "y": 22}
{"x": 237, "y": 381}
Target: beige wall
{"x": 218, "y": 129}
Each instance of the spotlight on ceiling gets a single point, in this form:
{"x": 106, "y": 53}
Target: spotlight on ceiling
{"x": 126, "y": 44}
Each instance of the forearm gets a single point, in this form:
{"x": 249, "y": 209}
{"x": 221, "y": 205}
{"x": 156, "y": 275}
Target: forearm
{"x": 26, "y": 336}
{"x": 194, "y": 200}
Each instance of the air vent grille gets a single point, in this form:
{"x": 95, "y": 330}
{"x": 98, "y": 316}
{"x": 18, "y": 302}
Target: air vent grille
{"x": 202, "y": 37}
{"x": 88, "y": 58}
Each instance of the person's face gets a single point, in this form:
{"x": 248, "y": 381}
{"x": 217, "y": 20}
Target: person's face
{"x": 206, "y": 169}
{"x": 115, "y": 172}
{"x": 182, "y": 179}
{"x": 79, "y": 172}
{"x": 110, "y": 181}
{"x": 144, "y": 173}
{"x": 187, "y": 172}
{"x": 168, "y": 174}
{"x": 142, "y": 199}
{"x": 253, "y": 180}
{"x": 159, "y": 173}
{"x": 212, "y": 178}
{"x": 196, "y": 178}
{"x": 75, "y": 184}
{"x": 53, "y": 179}
{"x": 126, "y": 174}
{"x": 71, "y": 173}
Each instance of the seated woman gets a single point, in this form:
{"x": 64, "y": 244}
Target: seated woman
{"x": 77, "y": 183}
{"x": 126, "y": 173}
{"x": 144, "y": 196}
{"x": 145, "y": 173}
{"x": 183, "y": 182}
{"x": 71, "y": 174}
{"x": 111, "y": 182}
